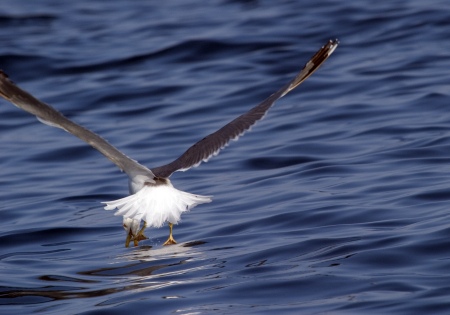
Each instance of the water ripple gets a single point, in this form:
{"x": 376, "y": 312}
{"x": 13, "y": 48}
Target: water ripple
{"x": 336, "y": 203}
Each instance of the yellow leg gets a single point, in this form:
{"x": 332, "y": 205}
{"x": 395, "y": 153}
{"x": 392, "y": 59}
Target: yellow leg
{"x": 136, "y": 238}
{"x": 170, "y": 240}
{"x": 140, "y": 236}
{"x": 128, "y": 240}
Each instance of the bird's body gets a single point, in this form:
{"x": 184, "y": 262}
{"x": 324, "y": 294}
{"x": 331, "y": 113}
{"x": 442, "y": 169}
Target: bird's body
{"x": 153, "y": 199}
{"x": 165, "y": 201}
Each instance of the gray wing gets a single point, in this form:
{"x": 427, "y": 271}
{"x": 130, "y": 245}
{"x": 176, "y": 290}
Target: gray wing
{"x": 213, "y": 143}
{"x": 50, "y": 116}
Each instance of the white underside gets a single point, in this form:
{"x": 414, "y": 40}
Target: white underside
{"x": 155, "y": 205}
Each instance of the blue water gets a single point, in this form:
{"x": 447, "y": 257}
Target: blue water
{"x": 337, "y": 203}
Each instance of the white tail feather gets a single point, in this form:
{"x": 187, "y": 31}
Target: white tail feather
{"x": 156, "y": 204}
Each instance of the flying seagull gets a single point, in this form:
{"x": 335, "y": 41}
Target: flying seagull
{"x": 153, "y": 199}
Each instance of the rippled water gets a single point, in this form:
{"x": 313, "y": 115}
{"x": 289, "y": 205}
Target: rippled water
{"x": 337, "y": 203}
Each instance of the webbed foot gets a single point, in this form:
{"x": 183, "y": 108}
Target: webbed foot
{"x": 170, "y": 240}
{"x": 136, "y": 238}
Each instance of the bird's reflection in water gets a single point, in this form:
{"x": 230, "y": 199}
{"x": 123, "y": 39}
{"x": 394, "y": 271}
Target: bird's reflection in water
{"x": 145, "y": 260}
{"x": 141, "y": 269}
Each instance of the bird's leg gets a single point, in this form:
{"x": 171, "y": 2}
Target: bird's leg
{"x": 170, "y": 240}
{"x": 129, "y": 238}
{"x": 140, "y": 235}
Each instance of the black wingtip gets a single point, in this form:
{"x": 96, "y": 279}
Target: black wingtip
{"x": 332, "y": 45}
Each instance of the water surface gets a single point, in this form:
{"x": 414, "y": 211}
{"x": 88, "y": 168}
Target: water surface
{"x": 337, "y": 203}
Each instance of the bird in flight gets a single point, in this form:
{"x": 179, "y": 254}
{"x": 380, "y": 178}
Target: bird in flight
{"x": 153, "y": 199}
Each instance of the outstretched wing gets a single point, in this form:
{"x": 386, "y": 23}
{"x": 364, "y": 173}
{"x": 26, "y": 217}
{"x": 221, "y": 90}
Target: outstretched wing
{"x": 212, "y": 144}
{"x": 50, "y": 116}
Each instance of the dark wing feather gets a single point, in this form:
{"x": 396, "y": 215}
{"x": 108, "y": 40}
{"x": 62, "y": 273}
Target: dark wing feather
{"x": 50, "y": 116}
{"x": 213, "y": 143}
